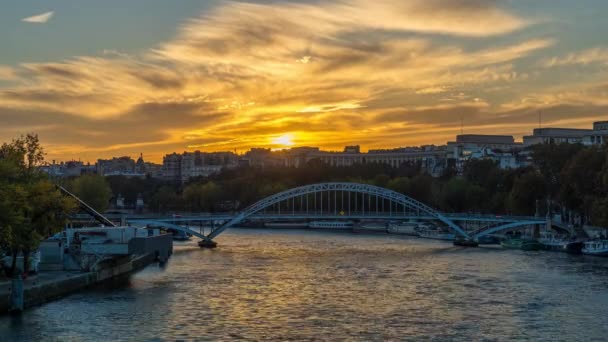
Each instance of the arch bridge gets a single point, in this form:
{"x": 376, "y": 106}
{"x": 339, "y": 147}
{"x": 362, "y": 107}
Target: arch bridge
{"x": 341, "y": 201}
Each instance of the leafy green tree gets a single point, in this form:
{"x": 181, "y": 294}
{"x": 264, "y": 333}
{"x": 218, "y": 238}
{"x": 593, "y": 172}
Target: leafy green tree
{"x": 271, "y": 189}
{"x": 599, "y": 212}
{"x": 422, "y": 187}
{"x": 31, "y": 208}
{"x": 485, "y": 173}
{"x": 94, "y": 190}
{"x": 550, "y": 159}
{"x": 381, "y": 180}
{"x": 202, "y": 197}
{"x": 582, "y": 180}
{"x": 454, "y": 195}
{"x": 48, "y": 212}
{"x": 527, "y": 189}
{"x": 13, "y": 208}
{"x": 193, "y": 197}
{"x": 131, "y": 187}
{"x": 400, "y": 184}
{"x": 165, "y": 200}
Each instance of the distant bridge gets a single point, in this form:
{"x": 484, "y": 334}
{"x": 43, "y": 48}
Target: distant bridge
{"x": 341, "y": 201}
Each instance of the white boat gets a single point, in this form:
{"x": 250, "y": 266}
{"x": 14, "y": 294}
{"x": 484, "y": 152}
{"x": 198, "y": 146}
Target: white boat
{"x": 436, "y": 234}
{"x": 560, "y": 243}
{"x": 331, "y": 224}
{"x": 406, "y": 228}
{"x": 597, "y": 247}
{"x": 551, "y": 241}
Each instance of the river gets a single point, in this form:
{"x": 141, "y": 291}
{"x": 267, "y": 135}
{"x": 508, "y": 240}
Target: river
{"x": 303, "y": 285}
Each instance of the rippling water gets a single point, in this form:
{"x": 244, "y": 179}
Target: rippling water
{"x": 302, "y": 285}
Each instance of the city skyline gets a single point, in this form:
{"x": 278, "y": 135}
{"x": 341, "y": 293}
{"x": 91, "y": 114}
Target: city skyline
{"x": 99, "y": 81}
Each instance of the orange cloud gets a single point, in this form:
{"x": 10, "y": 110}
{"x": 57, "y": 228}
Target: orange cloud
{"x": 334, "y": 73}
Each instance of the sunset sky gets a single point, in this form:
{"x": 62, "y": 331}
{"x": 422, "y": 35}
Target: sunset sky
{"x": 115, "y": 77}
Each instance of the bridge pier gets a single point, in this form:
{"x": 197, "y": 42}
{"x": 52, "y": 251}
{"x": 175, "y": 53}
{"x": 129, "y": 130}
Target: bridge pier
{"x": 207, "y": 244}
{"x": 465, "y": 242}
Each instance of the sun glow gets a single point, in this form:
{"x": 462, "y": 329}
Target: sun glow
{"x": 285, "y": 140}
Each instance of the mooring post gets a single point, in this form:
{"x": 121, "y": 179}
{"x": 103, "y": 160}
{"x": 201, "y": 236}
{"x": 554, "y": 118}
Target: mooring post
{"x": 17, "y": 290}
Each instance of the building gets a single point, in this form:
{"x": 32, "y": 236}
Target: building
{"x": 352, "y": 149}
{"x": 500, "y": 148}
{"x": 154, "y": 170}
{"x": 469, "y": 143}
{"x": 203, "y": 164}
{"x": 140, "y": 164}
{"x": 73, "y": 168}
{"x": 394, "y": 158}
{"x": 556, "y": 136}
{"x": 431, "y": 158}
{"x": 121, "y": 166}
{"x": 596, "y": 136}
{"x": 182, "y": 167}
{"x": 172, "y": 167}
{"x": 599, "y": 135}
{"x": 262, "y": 157}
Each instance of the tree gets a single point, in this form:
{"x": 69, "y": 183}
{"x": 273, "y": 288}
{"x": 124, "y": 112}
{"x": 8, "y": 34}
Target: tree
{"x": 582, "y": 180}
{"x": 484, "y": 172}
{"x": 422, "y": 188}
{"x": 165, "y": 199}
{"x": 93, "y": 190}
{"x": 31, "y": 207}
{"x": 400, "y": 184}
{"x": 550, "y": 159}
{"x": 527, "y": 189}
{"x": 202, "y": 197}
{"x": 381, "y": 180}
{"x": 454, "y": 195}
{"x": 13, "y": 208}
{"x": 48, "y": 212}
{"x": 599, "y": 212}
{"x": 131, "y": 187}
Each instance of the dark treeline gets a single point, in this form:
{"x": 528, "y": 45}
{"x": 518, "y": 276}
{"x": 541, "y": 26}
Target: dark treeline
{"x": 571, "y": 180}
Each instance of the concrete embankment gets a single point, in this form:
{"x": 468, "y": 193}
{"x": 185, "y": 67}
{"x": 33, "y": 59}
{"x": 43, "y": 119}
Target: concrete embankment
{"x": 51, "y": 285}
{"x": 47, "y": 286}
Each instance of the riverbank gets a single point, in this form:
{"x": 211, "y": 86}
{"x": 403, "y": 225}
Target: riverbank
{"x": 47, "y": 286}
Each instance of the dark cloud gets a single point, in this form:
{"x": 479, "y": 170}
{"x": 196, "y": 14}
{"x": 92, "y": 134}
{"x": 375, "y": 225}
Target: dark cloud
{"x": 450, "y": 116}
{"x": 160, "y": 80}
{"x": 145, "y": 123}
{"x": 59, "y": 70}
{"x": 447, "y": 115}
{"x": 41, "y": 96}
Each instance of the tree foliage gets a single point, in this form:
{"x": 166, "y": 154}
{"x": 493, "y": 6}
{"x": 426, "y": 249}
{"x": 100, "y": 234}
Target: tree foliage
{"x": 93, "y": 190}
{"x": 31, "y": 207}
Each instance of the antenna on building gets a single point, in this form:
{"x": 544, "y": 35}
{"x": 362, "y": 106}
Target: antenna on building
{"x": 540, "y": 116}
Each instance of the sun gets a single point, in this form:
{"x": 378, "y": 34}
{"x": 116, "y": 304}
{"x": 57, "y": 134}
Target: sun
{"x": 284, "y": 140}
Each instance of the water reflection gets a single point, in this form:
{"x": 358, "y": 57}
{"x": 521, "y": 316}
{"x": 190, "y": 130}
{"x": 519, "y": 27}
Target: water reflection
{"x": 322, "y": 286}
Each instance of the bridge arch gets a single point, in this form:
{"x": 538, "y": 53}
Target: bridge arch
{"x": 364, "y": 189}
{"x": 506, "y": 226}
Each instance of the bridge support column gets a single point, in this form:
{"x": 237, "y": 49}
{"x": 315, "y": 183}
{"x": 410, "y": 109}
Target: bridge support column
{"x": 207, "y": 244}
